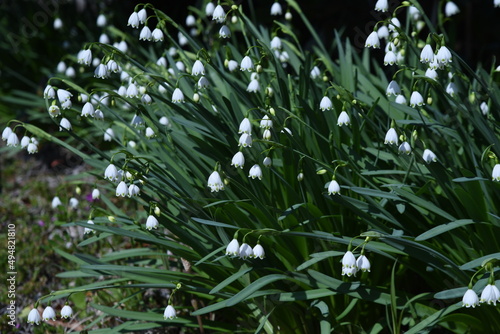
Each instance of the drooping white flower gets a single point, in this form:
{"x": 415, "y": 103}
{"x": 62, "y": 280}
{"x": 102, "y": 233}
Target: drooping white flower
{"x": 414, "y": 13}
{"x": 245, "y": 251}
{"x": 490, "y": 295}
{"x": 145, "y": 34}
{"x": 133, "y": 190}
{"x": 315, "y": 72}
{"x": 137, "y": 121}
{"x": 209, "y": 9}
{"x": 63, "y": 95}
{"x": 255, "y": 172}
{"x": 190, "y": 20}
{"x": 451, "y": 88}
{"x": 34, "y": 317}
{"x": 391, "y": 137}
{"x": 444, "y": 56}
{"x": 484, "y": 106}
{"x": 7, "y": 132}
{"x": 157, "y": 35}
{"x": 56, "y": 202}
{"x": 66, "y": 104}
{"x": 451, "y": 9}
{"x": 372, "y": 41}
{"x": 343, "y": 119}
{"x": 267, "y": 162}
{"x": 101, "y": 20}
{"x": 232, "y": 65}
{"x": 32, "y": 148}
{"x": 58, "y": 23}
{"x": 258, "y": 252}
{"x": 142, "y": 15}
{"x": 169, "y": 313}
{"x": 363, "y": 263}
{"x": 393, "y": 88}
{"x": 333, "y": 188}
{"x": 496, "y": 3}
{"x": 96, "y": 193}
{"x": 219, "y": 15}
{"x": 276, "y": 9}
{"x": 495, "y": 175}
{"x": 198, "y": 68}
{"x": 12, "y": 140}
{"x": 429, "y": 156}
{"x": 401, "y": 99}
{"x": 133, "y": 20}
{"x": 132, "y": 91}
{"x": 238, "y": 160}
{"x": 104, "y": 39}
{"x": 121, "y": 189}
{"x": 164, "y": 121}
{"x": 245, "y": 140}
{"x": 146, "y": 99}
{"x": 266, "y": 135}
{"x": 101, "y": 71}
{"x": 111, "y": 172}
{"x": 253, "y": 86}
{"x": 382, "y": 6}
{"x": 66, "y": 312}
{"x": 49, "y": 92}
{"x": 266, "y": 122}
{"x": 276, "y": 43}
{"x": 416, "y": 99}
{"x": 64, "y": 124}
{"x": 393, "y": 24}
{"x": 349, "y": 266}
{"x": 84, "y": 57}
{"x": 233, "y": 248}
{"x": 149, "y": 132}
{"x": 246, "y": 64}
{"x": 25, "y": 141}
{"x": 215, "y": 182}
{"x": 325, "y": 103}
{"x": 151, "y": 222}
{"x": 88, "y": 110}
{"x": 431, "y": 73}
{"x": 88, "y": 230}
{"x": 49, "y": 314}
{"x": 109, "y": 134}
{"x": 177, "y": 96}
{"x": 405, "y": 148}
{"x": 470, "y": 298}
{"x": 73, "y": 203}
{"x": 383, "y": 32}
{"x": 427, "y": 54}
{"x": 390, "y": 58}
{"x": 224, "y": 32}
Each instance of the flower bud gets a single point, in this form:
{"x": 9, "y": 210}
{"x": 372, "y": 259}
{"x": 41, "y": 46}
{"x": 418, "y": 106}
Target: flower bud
{"x": 111, "y": 219}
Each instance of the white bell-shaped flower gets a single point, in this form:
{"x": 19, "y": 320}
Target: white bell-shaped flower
{"x": 238, "y": 160}
{"x": 393, "y": 88}
{"x": 246, "y": 64}
{"x": 349, "y": 266}
{"x": 258, "y": 252}
{"x": 245, "y": 251}
{"x": 363, "y": 263}
{"x": 133, "y": 20}
{"x": 343, "y": 119}
{"x": 382, "y": 6}
{"x": 276, "y": 9}
{"x": 325, "y": 103}
{"x": 169, "y": 313}
{"x": 224, "y": 32}
{"x": 451, "y": 9}
{"x": 49, "y": 314}
{"x": 372, "y": 41}
{"x": 215, "y": 182}
{"x": 255, "y": 172}
{"x": 391, "y": 137}
{"x": 177, "y": 96}
{"x": 429, "y": 156}
{"x": 427, "y": 54}
{"x": 233, "y": 248}
{"x": 470, "y": 299}
{"x": 219, "y": 15}
{"x": 151, "y": 222}
{"x": 333, "y": 188}
{"x": 416, "y": 99}
{"x": 405, "y": 148}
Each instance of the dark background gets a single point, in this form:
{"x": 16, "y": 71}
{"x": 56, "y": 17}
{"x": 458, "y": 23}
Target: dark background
{"x": 30, "y": 47}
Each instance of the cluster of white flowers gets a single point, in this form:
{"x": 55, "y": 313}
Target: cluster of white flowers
{"x": 351, "y": 265}
{"x": 245, "y": 251}
{"x": 489, "y": 295}
{"x": 48, "y": 314}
